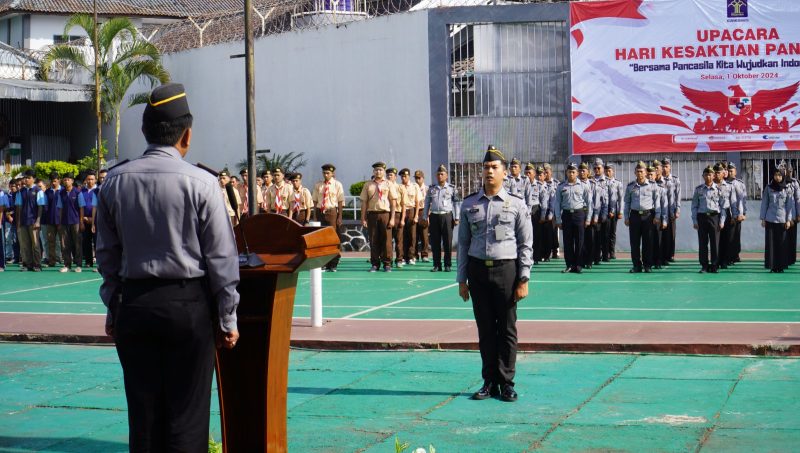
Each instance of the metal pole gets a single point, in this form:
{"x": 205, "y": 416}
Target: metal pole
{"x": 97, "y": 90}
{"x": 316, "y": 291}
{"x": 250, "y": 92}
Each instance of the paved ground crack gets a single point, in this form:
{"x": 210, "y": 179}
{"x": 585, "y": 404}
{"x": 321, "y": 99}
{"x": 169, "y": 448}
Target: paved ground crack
{"x": 538, "y": 443}
{"x": 710, "y": 430}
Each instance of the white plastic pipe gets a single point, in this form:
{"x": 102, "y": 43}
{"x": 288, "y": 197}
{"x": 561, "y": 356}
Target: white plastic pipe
{"x": 316, "y": 292}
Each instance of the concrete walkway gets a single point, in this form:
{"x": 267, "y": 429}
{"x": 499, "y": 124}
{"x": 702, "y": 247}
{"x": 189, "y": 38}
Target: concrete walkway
{"x": 60, "y": 398}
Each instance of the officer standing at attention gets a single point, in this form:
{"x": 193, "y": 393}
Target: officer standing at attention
{"x": 30, "y": 202}
{"x": 616, "y": 196}
{"x": 328, "y": 198}
{"x": 169, "y": 264}
{"x": 422, "y": 224}
{"x": 494, "y": 266}
{"x": 601, "y": 227}
{"x": 708, "y": 218}
{"x": 674, "y": 188}
{"x": 553, "y": 183}
{"x": 572, "y": 205}
{"x": 377, "y": 216}
{"x": 730, "y": 208}
{"x": 642, "y": 211}
{"x": 589, "y": 234}
{"x": 536, "y": 198}
{"x": 440, "y": 204}
{"x": 740, "y": 189}
{"x": 516, "y": 183}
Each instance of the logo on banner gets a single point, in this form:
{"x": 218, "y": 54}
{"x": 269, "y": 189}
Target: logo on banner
{"x": 737, "y": 9}
{"x": 740, "y": 105}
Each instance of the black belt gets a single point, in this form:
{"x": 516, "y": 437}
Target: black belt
{"x": 642, "y": 211}
{"x": 572, "y": 211}
{"x": 158, "y": 282}
{"x": 709, "y": 213}
{"x": 492, "y": 263}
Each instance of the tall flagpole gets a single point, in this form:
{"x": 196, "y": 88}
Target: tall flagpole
{"x": 250, "y": 94}
{"x": 97, "y": 90}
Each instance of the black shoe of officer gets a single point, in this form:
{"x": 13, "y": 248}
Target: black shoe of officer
{"x": 448, "y": 269}
{"x": 508, "y": 394}
{"x": 436, "y": 269}
{"x": 647, "y": 270}
{"x": 487, "y": 391}
{"x": 703, "y": 270}
{"x": 577, "y": 270}
{"x": 712, "y": 270}
{"x": 566, "y": 270}
{"x": 636, "y": 270}
{"x": 723, "y": 266}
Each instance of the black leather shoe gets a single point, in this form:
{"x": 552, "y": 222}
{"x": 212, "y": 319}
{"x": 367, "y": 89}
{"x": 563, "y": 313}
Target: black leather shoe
{"x": 448, "y": 269}
{"x": 636, "y": 270}
{"x": 436, "y": 269}
{"x": 577, "y": 270}
{"x": 508, "y": 394}
{"x": 702, "y": 271}
{"x": 712, "y": 269}
{"x": 487, "y": 391}
{"x": 647, "y": 270}
{"x": 566, "y": 270}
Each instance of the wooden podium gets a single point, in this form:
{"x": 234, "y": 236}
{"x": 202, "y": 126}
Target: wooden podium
{"x": 252, "y": 377}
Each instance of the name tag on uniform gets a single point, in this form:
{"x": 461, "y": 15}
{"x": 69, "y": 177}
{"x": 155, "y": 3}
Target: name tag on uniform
{"x": 500, "y": 232}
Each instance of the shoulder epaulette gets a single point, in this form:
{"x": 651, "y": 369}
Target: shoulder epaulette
{"x": 119, "y": 164}
{"x": 516, "y": 195}
{"x": 473, "y": 193}
{"x": 631, "y": 183}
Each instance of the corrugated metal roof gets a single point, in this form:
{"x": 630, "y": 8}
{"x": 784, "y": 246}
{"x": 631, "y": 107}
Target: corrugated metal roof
{"x": 32, "y": 90}
{"x": 145, "y": 8}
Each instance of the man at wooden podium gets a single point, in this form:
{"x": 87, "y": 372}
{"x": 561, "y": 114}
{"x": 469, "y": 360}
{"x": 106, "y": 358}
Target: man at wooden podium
{"x": 170, "y": 270}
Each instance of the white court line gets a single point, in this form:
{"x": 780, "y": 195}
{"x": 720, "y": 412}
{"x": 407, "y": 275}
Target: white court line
{"x": 400, "y": 301}
{"x": 572, "y": 282}
{"x": 790, "y": 310}
{"x": 55, "y": 302}
{"x": 576, "y": 320}
{"x": 51, "y": 286}
{"x": 46, "y": 313}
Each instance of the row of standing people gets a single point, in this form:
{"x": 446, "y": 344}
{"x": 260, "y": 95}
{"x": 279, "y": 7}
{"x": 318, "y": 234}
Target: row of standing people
{"x": 49, "y": 224}
{"x": 780, "y": 214}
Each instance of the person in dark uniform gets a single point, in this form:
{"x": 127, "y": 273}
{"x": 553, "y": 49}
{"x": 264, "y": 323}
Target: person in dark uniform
{"x": 494, "y": 265}
{"x": 440, "y": 207}
{"x": 603, "y": 199}
{"x": 708, "y": 218}
{"x": 70, "y": 212}
{"x": 616, "y": 199}
{"x": 730, "y": 207}
{"x": 5, "y": 204}
{"x": 30, "y": 202}
{"x": 89, "y": 194}
{"x": 642, "y": 211}
{"x": 51, "y": 221}
{"x": 654, "y": 176}
{"x": 553, "y": 183}
{"x": 573, "y": 207}
{"x": 793, "y": 186}
{"x": 673, "y": 184}
{"x": 740, "y": 190}
{"x": 589, "y": 234}
{"x": 170, "y": 270}
{"x": 777, "y": 211}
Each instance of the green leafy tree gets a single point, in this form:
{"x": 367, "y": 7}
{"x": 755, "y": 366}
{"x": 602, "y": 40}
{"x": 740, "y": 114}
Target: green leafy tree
{"x": 90, "y": 162}
{"x": 44, "y": 169}
{"x": 125, "y": 58}
{"x": 290, "y": 162}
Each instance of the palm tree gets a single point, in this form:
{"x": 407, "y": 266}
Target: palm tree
{"x": 290, "y": 162}
{"x": 125, "y": 58}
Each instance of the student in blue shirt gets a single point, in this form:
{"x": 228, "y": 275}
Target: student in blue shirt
{"x": 30, "y": 201}
{"x": 70, "y": 212}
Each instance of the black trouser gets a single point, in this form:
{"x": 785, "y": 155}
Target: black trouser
{"x": 573, "y": 225}
{"x": 726, "y": 239}
{"x": 708, "y": 237}
{"x": 441, "y": 229}
{"x": 658, "y": 235}
{"x": 548, "y": 233}
{"x": 641, "y": 236}
{"x": 492, "y": 292}
{"x": 668, "y": 242}
{"x": 536, "y": 227}
{"x": 791, "y": 244}
{"x": 329, "y": 218}
{"x": 612, "y": 237}
{"x": 601, "y": 252}
{"x": 554, "y": 244}
{"x": 587, "y": 252}
{"x": 737, "y": 241}
{"x": 165, "y": 341}
{"x": 88, "y": 243}
{"x": 776, "y": 253}
{"x": 380, "y": 238}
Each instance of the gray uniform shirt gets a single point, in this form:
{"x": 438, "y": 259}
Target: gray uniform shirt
{"x": 495, "y": 228}
{"x": 674, "y": 189}
{"x": 602, "y": 185}
{"x": 441, "y": 199}
{"x": 571, "y": 197}
{"x": 642, "y": 197}
{"x": 740, "y": 190}
{"x": 535, "y": 195}
{"x": 517, "y": 185}
{"x": 777, "y": 206}
{"x": 707, "y": 199}
{"x": 616, "y": 195}
{"x": 665, "y": 200}
{"x": 728, "y": 198}
{"x": 177, "y": 230}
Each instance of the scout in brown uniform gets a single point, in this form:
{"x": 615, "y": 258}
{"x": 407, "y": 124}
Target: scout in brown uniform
{"x": 300, "y": 202}
{"x": 328, "y": 196}
{"x": 279, "y": 192}
{"x": 410, "y": 196}
{"x": 377, "y": 215}
{"x": 266, "y": 176}
{"x": 422, "y": 224}
{"x": 233, "y": 213}
{"x": 397, "y": 231}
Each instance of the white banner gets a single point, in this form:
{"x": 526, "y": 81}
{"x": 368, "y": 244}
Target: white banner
{"x": 685, "y": 75}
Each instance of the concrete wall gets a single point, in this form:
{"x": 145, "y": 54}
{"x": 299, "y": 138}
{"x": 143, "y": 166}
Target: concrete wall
{"x": 350, "y": 96}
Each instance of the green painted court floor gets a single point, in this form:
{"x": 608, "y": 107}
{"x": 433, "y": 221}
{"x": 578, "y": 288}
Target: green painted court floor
{"x": 744, "y": 293}
{"x": 58, "y": 398}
